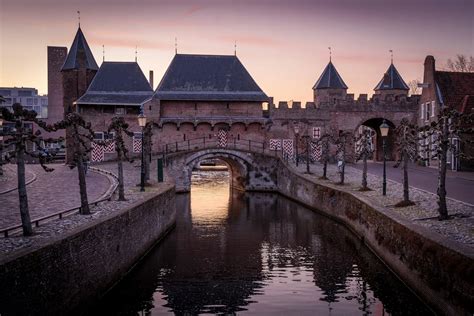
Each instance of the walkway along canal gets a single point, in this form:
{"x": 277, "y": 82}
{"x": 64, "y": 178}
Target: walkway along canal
{"x": 257, "y": 253}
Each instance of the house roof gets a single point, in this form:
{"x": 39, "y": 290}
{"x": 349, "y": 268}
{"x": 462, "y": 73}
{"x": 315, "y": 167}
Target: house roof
{"x": 80, "y": 55}
{"x": 456, "y": 88}
{"x": 118, "y": 83}
{"x": 330, "y": 79}
{"x": 208, "y": 78}
{"x": 392, "y": 80}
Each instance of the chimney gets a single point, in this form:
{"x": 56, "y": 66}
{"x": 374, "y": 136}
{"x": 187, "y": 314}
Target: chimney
{"x": 428, "y": 76}
{"x": 151, "y": 79}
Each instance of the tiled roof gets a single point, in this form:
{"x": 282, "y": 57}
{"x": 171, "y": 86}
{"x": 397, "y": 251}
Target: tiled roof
{"x": 208, "y": 78}
{"x": 79, "y": 46}
{"x": 118, "y": 83}
{"x": 457, "y": 88}
{"x": 391, "y": 80}
{"x": 330, "y": 79}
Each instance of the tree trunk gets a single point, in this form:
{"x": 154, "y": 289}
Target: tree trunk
{"x": 325, "y": 168}
{"x": 147, "y": 150}
{"x": 406, "y": 192}
{"x": 84, "y": 210}
{"x": 442, "y": 208}
{"x": 24, "y": 212}
{"x": 364, "y": 173}
{"x": 120, "y": 177}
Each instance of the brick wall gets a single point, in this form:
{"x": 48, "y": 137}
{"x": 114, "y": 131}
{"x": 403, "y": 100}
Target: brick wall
{"x": 68, "y": 274}
{"x": 56, "y": 58}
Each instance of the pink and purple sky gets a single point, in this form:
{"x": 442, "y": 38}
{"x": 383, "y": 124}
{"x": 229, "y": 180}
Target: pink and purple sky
{"x": 283, "y": 44}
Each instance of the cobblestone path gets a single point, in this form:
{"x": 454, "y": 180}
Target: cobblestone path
{"x": 50, "y": 193}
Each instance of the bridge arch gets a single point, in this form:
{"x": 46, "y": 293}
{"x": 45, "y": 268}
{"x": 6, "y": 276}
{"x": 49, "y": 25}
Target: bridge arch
{"x": 248, "y": 171}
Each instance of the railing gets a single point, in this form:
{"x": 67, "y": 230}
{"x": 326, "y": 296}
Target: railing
{"x": 36, "y": 222}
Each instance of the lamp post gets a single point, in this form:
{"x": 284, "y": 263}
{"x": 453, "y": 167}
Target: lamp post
{"x": 306, "y": 137}
{"x": 297, "y": 130}
{"x": 384, "y": 132}
{"x": 142, "y": 123}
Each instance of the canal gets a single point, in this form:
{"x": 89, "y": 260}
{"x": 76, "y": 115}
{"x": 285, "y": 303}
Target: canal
{"x": 257, "y": 253}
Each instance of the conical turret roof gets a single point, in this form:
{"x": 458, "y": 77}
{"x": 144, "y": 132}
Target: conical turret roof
{"x": 330, "y": 79}
{"x": 391, "y": 80}
{"x": 80, "y": 55}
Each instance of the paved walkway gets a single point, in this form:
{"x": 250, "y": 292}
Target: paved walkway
{"x": 459, "y": 185}
{"x": 50, "y": 193}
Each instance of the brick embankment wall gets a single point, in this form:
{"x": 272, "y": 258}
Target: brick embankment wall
{"x": 67, "y": 275}
{"x": 440, "y": 272}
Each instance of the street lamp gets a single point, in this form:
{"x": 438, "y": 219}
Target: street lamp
{"x": 142, "y": 123}
{"x": 297, "y": 130}
{"x": 384, "y": 132}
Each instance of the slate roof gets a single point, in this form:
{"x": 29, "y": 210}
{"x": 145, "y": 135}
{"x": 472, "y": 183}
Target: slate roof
{"x": 391, "y": 80}
{"x": 456, "y": 88}
{"x": 330, "y": 79}
{"x": 208, "y": 78}
{"x": 79, "y": 46}
{"x": 118, "y": 83}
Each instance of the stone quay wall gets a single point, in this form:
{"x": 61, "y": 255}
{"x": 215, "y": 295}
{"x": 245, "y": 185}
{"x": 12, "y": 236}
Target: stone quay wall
{"x": 440, "y": 272}
{"x": 72, "y": 272}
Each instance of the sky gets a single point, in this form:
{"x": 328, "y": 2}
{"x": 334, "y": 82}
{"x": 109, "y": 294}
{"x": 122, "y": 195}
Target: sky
{"x": 283, "y": 44}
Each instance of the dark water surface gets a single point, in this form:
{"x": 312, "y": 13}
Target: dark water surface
{"x": 257, "y": 254}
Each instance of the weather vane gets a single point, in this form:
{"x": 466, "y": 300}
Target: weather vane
{"x": 79, "y": 17}
{"x": 391, "y": 55}
{"x": 330, "y": 53}
{"x": 136, "y": 53}
{"x": 175, "y": 45}
{"x": 235, "y": 48}
{"x": 103, "y": 53}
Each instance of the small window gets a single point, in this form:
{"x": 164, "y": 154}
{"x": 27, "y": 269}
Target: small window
{"x": 195, "y": 106}
{"x": 29, "y": 101}
{"x": 110, "y": 135}
{"x": 120, "y": 111}
{"x": 427, "y": 107}
{"x": 137, "y": 135}
{"x": 432, "y": 108}
{"x": 422, "y": 111}
{"x": 35, "y": 101}
{"x": 98, "y": 136}
{"x": 316, "y": 132}
{"x": 227, "y": 105}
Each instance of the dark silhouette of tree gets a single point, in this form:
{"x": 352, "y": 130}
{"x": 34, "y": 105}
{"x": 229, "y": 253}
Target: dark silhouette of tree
{"x": 342, "y": 140}
{"x": 461, "y": 63}
{"x": 17, "y": 140}
{"x": 120, "y": 127}
{"x": 147, "y": 145}
{"x": 407, "y": 141}
{"x": 450, "y": 125}
{"x": 364, "y": 151}
{"x": 324, "y": 142}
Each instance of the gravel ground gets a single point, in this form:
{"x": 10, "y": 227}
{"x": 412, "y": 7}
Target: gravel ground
{"x": 57, "y": 227}
{"x": 424, "y": 213}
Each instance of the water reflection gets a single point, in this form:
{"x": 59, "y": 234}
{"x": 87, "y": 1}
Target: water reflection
{"x": 257, "y": 253}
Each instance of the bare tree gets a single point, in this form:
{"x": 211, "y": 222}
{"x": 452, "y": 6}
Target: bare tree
{"x": 18, "y": 139}
{"x": 342, "y": 141}
{"x": 407, "y": 142}
{"x": 364, "y": 150}
{"x": 461, "y": 63}
{"x": 450, "y": 125}
{"x": 413, "y": 84}
{"x": 120, "y": 127}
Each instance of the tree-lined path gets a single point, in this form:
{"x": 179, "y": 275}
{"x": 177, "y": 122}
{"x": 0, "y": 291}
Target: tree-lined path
{"x": 51, "y": 192}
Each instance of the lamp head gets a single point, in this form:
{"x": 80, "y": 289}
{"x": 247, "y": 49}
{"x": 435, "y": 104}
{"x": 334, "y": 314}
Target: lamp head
{"x": 384, "y": 128}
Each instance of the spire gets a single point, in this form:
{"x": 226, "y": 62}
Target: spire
{"x": 176, "y": 45}
{"x": 391, "y": 80}
{"x": 136, "y": 53}
{"x": 235, "y": 48}
{"x": 330, "y": 78}
{"x": 79, "y": 18}
{"x": 391, "y": 56}
{"x": 103, "y": 53}
{"x": 80, "y": 55}
{"x": 330, "y": 53}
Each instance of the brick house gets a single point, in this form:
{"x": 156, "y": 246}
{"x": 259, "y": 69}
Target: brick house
{"x": 451, "y": 89}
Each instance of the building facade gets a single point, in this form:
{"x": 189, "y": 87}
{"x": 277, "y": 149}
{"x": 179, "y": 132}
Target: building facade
{"x": 28, "y": 97}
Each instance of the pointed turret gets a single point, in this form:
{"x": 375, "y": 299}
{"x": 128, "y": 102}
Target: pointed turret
{"x": 329, "y": 87}
{"x": 80, "y": 55}
{"x": 392, "y": 83}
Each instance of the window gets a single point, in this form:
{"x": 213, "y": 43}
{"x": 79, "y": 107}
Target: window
{"x": 98, "y": 136}
{"x": 24, "y": 93}
{"x": 35, "y": 101}
{"x": 120, "y": 111}
{"x": 316, "y": 132}
{"x": 137, "y": 135}
{"x": 110, "y": 135}
{"x": 44, "y": 101}
{"x": 427, "y": 107}
{"x": 37, "y": 109}
{"x": 432, "y": 108}
{"x": 29, "y": 101}
{"x": 422, "y": 112}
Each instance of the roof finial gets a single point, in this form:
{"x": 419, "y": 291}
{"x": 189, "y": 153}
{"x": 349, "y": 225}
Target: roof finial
{"x": 330, "y": 53}
{"x": 235, "y": 48}
{"x": 175, "y": 45}
{"x": 103, "y": 53}
{"x": 136, "y": 52}
{"x": 391, "y": 55}
{"x": 79, "y": 17}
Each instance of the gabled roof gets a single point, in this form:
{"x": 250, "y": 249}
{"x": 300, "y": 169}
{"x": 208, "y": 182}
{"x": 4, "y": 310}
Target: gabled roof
{"x": 80, "y": 55}
{"x": 391, "y": 80}
{"x": 118, "y": 83}
{"x": 208, "y": 78}
{"x": 456, "y": 88}
{"x": 330, "y": 79}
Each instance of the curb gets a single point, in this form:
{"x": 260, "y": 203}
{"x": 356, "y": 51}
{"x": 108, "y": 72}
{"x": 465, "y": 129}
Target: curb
{"x": 27, "y": 182}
